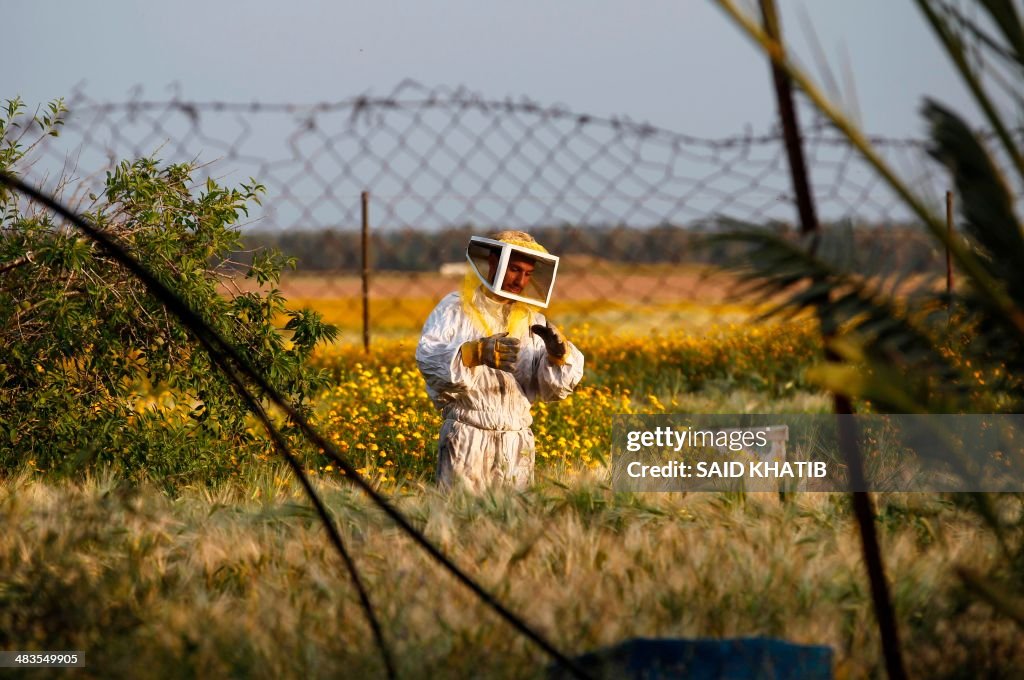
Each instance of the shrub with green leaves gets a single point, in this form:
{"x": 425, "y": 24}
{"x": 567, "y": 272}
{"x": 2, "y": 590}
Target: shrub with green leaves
{"x": 93, "y": 368}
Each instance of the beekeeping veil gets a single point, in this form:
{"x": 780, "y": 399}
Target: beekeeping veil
{"x": 489, "y": 260}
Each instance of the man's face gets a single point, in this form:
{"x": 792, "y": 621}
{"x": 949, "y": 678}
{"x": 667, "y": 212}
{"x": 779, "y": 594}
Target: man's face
{"x": 517, "y": 274}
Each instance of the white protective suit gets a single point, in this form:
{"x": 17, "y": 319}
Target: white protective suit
{"x": 486, "y": 438}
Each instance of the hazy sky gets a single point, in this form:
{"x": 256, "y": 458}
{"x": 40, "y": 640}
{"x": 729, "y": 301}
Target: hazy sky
{"x": 677, "y": 64}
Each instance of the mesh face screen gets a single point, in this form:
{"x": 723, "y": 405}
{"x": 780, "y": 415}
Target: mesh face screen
{"x": 512, "y": 271}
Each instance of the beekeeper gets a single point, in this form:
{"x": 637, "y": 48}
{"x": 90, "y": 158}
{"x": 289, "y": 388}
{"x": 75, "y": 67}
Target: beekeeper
{"x": 487, "y": 353}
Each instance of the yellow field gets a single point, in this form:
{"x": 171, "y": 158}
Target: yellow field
{"x": 616, "y": 300}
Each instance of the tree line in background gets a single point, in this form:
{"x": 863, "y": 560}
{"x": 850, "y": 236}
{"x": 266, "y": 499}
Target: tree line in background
{"x": 904, "y": 248}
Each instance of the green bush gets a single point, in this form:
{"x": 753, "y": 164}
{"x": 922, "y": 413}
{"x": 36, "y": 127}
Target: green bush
{"x": 93, "y": 368}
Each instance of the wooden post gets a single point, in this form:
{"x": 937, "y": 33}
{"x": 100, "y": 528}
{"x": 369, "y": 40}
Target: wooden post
{"x": 365, "y": 200}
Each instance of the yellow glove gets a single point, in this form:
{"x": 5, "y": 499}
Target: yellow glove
{"x": 497, "y": 351}
{"x": 554, "y": 341}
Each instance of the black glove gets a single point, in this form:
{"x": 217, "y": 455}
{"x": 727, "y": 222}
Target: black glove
{"x": 553, "y": 339}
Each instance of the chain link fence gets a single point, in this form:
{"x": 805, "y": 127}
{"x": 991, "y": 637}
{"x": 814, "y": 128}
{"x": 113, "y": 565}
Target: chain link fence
{"x": 623, "y": 202}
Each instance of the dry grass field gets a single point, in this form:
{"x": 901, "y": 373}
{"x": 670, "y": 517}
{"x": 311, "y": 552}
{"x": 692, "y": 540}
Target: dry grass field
{"x": 239, "y": 581}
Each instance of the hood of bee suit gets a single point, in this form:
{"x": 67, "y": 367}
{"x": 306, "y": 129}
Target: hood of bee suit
{"x": 487, "y": 255}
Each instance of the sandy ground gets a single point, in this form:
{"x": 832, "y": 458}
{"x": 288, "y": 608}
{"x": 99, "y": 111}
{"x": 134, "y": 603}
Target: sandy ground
{"x": 611, "y": 298}
{"x": 610, "y": 284}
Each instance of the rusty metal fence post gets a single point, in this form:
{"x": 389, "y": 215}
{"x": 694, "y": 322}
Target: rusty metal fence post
{"x": 949, "y": 255}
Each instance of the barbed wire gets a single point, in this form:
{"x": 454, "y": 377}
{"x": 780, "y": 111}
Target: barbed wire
{"x": 440, "y": 159}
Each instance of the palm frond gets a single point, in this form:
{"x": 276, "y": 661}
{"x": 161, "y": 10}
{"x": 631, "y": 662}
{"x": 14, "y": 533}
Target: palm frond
{"x": 793, "y": 280}
{"x": 1004, "y": 15}
{"x": 956, "y": 47}
{"x": 985, "y": 199}
{"x": 973, "y": 269}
